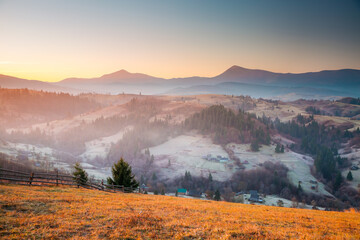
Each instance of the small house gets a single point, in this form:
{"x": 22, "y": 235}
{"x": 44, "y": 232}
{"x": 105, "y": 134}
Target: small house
{"x": 354, "y": 168}
{"x": 182, "y": 191}
{"x": 254, "y": 196}
{"x": 194, "y": 193}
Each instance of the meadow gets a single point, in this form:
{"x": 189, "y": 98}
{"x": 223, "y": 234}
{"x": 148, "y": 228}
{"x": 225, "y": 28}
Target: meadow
{"x": 75, "y": 213}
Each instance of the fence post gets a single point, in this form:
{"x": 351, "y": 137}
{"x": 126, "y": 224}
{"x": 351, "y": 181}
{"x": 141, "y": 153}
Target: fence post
{"x": 31, "y": 178}
{"x": 57, "y": 177}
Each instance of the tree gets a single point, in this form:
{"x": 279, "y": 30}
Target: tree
{"x": 154, "y": 177}
{"x": 210, "y": 177}
{"x": 338, "y": 181}
{"x": 176, "y": 193}
{"x": 299, "y": 187}
{"x": 122, "y": 175}
{"x": 217, "y": 196}
{"x": 282, "y": 150}
{"x": 254, "y": 146}
{"x": 79, "y": 175}
{"x": 349, "y": 176}
{"x": 277, "y": 148}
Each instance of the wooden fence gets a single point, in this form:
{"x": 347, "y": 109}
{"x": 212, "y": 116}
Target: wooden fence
{"x": 56, "y": 178}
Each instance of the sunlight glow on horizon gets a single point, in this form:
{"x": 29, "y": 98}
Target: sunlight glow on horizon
{"x": 54, "y": 40}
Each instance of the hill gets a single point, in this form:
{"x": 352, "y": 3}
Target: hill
{"x": 14, "y": 82}
{"x": 71, "y": 213}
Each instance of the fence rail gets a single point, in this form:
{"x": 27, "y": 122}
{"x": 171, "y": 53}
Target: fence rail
{"x": 40, "y": 179}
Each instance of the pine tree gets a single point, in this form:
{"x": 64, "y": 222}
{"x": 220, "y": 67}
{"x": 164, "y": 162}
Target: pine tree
{"x": 79, "y": 174}
{"x": 154, "y": 177}
{"x": 217, "y": 196}
{"x": 349, "y": 176}
{"x": 282, "y": 150}
{"x": 277, "y": 148}
{"x": 254, "y": 146}
{"x": 299, "y": 187}
{"x": 210, "y": 177}
{"x": 338, "y": 181}
{"x": 122, "y": 175}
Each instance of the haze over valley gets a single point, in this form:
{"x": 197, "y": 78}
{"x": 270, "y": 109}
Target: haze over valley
{"x": 179, "y": 119}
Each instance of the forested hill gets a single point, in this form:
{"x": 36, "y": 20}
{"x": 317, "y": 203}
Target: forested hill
{"x": 227, "y": 126}
{"x": 39, "y": 104}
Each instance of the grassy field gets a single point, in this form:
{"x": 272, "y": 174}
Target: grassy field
{"x": 71, "y": 213}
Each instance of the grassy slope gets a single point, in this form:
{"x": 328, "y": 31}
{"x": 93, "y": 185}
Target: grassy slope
{"x": 65, "y": 213}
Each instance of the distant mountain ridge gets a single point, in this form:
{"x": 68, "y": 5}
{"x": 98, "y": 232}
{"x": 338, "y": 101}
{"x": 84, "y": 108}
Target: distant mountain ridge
{"x": 14, "y": 82}
{"x": 343, "y": 82}
{"x": 121, "y": 76}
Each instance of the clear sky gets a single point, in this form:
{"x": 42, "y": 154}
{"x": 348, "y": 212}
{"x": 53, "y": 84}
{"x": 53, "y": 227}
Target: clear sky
{"x": 51, "y": 40}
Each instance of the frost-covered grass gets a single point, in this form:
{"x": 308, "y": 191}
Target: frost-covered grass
{"x": 298, "y": 164}
{"x": 185, "y": 153}
{"x": 99, "y": 148}
{"x": 354, "y": 157}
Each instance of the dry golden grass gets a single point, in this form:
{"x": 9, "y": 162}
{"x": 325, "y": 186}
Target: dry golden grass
{"x": 71, "y": 213}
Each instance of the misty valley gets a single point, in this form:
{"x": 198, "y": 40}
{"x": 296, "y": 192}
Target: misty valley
{"x": 292, "y": 153}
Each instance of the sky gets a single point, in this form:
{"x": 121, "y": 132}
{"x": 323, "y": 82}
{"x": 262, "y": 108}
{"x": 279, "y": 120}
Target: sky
{"x": 52, "y": 40}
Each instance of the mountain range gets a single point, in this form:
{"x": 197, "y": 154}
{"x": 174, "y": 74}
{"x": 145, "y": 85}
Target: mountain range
{"x": 235, "y": 80}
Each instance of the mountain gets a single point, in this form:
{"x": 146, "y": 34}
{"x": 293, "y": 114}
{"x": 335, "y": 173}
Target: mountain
{"x": 119, "y": 77}
{"x": 345, "y": 79}
{"x": 256, "y": 83}
{"x": 14, "y": 82}
{"x": 236, "y": 74}
{"x": 117, "y": 82}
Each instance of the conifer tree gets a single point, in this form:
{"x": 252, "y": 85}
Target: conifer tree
{"x": 122, "y": 175}
{"x": 277, "y": 148}
{"x": 254, "y": 146}
{"x": 79, "y": 174}
{"x": 349, "y": 176}
{"x": 217, "y": 196}
{"x": 210, "y": 177}
{"x": 282, "y": 150}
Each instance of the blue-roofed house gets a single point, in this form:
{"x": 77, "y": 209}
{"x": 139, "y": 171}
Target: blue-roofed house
{"x": 182, "y": 191}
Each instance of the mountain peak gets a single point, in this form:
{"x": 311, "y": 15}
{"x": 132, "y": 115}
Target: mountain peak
{"x": 235, "y": 67}
{"x": 117, "y": 75}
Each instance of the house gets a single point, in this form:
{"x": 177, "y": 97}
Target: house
{"x": 182, "y": 191}
{"x": 354, "y": 168}
{"x": 254, "y": 196}
{"x": 223, "y": 161}
{"x": 143, "y": 188}
{"x": 194, "y": 193}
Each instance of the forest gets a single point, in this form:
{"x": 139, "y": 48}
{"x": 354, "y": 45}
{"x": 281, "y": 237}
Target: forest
{"x": 225, "y": 126}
